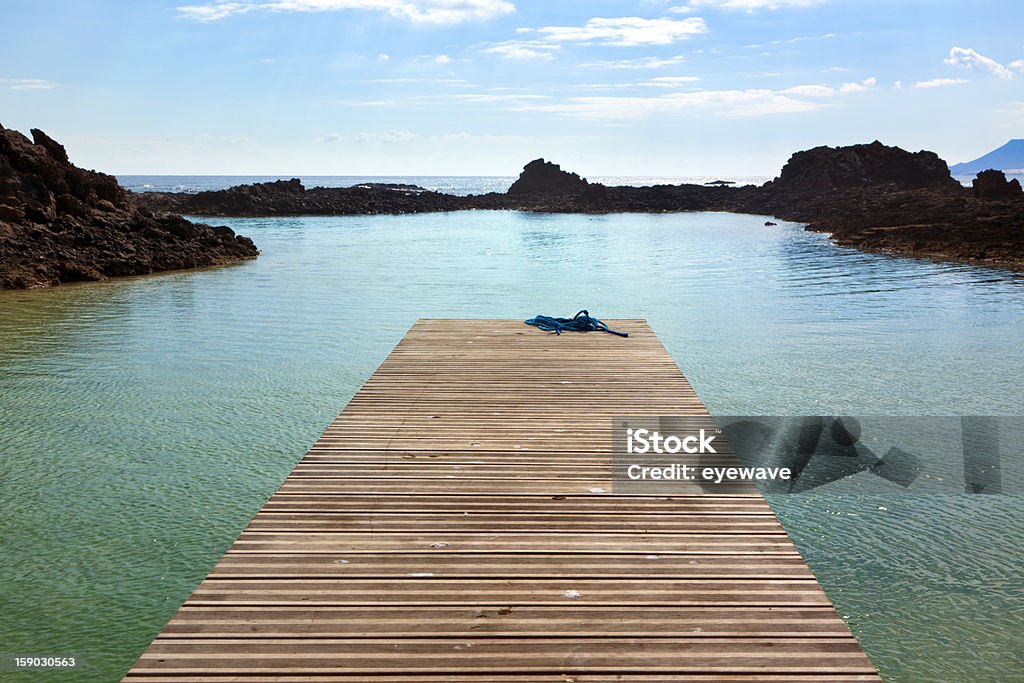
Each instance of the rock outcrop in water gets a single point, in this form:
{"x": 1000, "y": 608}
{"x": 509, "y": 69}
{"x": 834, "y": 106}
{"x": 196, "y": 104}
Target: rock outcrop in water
{"x": 885, "y": 199}
{"x": 292, "y": 198}
{"x": 60, "y": 223}
{"x": 994, "y": 185}
{"x": 871, "y": 196}
{"x": 874, "y": 165}
{"x": 541, "y": 177}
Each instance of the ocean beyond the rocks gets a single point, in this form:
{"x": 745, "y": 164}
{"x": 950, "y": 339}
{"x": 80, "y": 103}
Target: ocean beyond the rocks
{"x": 457, "y": 185}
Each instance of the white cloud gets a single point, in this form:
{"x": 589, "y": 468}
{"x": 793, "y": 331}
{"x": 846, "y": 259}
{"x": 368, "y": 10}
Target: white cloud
{"x": 605, "y": 86}
{"x": 640, "y": 63}
{"x": 467, "y": 98}
{"x": 704, "y": 102}
{"x": 627, "y": 31}
{"x": 397, "y": 136}
{"x": 28, "y": 84}
{"x": 365, "y": 103}
{"x": 488, "y": 98}
{"x": 939, "y": 82}
{"x": 388, "y": 137}
{"x": 523, "y": 50}
{"x": 215, "y": 11}
{"x": 1017, "y": 64}
{"x": 474, "y": 137}
{"x": 791, "y": 41}
{"x": 810, "y": 91}
{"x": 968, "y": 58}
{"x": 671, "y": 81}
{"x": 419, "y": 11}
{"x": 863, "y": 86}
{"x": 753, "y": 5}
{"x": 452, "y": 82}
{"x": 521, "y": 53}
{"x": 383, "y": 57}
{"x": 443, "y": 59}
{"x": 751, "y": 102}
{"x": 681, "y": 9}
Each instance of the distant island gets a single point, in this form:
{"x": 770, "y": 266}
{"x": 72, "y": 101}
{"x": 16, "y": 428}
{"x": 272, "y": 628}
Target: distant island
{"x": 60, "y": 223}
{"x": 1009, "y": 158}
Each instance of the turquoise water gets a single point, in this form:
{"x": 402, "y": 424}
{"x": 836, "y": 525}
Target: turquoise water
{"x": 144, "y": 421}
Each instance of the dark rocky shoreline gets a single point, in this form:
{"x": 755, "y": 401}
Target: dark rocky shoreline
{"x": 60, "y": 223}
{"x": 871, "y": 197}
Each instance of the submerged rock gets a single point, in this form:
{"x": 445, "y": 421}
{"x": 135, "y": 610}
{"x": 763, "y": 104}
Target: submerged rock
{"x": 61, "y": 223}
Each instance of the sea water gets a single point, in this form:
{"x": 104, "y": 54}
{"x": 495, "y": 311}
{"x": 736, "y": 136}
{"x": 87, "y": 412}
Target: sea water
{"x": 143, "y": 421}
{"x": 458, "y": 185}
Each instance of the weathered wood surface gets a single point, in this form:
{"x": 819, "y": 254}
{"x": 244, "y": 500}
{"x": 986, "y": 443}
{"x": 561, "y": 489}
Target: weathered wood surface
{"x": 457, "y": 523}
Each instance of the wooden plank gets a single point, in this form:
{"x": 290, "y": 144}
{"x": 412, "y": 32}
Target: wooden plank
{"x": 532, "y": 503}
{"x": 475, "y": 487}
{"x": 460, "y": 621}
{"x": 443, "y": 542}
{"x": 506, "y": 655}
{"x": 540, "y": 677}
{"x": 540, "y": 565}
{"x": 490, "y": 591}
{"x": 457, "y": 522}
{"x": 504, "y": 523}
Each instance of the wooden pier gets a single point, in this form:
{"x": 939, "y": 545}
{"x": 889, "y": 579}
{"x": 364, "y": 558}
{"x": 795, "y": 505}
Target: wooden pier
{"x": 457, "y": 523}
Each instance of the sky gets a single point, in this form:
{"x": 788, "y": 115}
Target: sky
{"x": 480, "y": 87}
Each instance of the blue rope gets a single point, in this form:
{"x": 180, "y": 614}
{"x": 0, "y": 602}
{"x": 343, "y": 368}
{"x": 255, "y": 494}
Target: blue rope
{"x": 581, "y": 322}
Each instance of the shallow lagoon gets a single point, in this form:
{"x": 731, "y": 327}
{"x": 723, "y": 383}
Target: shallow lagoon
{"x": 144, "y": 421}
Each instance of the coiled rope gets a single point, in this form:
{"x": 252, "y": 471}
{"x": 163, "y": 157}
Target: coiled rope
{"x": 581, "y": 322}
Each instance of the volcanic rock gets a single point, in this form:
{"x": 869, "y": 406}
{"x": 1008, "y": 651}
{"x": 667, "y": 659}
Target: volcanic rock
{"x": 61, "y": 223}
{"x": 543, "y": 177}
{"x": 993, "y": 184}
{"x": 871, "y": 197}
{"x": 875, "y": 164}
{"x": 292, "y": 198}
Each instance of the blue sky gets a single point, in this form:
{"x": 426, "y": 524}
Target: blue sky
{"x": 437, "y": 87}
